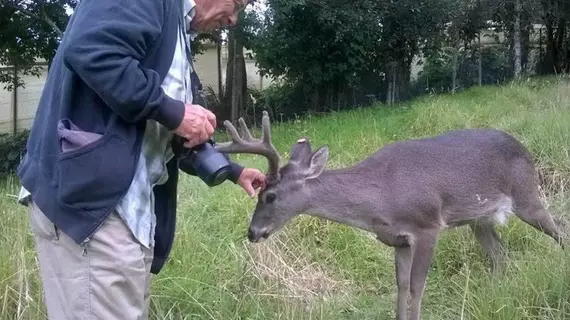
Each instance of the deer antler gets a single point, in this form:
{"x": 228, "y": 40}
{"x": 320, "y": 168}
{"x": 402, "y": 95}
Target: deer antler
{"x": 247, "y": 144}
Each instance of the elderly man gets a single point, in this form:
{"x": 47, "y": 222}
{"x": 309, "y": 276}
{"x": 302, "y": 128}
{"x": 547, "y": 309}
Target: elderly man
{"x": 101, "y": 168}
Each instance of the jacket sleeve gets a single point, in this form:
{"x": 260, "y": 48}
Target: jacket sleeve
{"x": 105, "y": 46}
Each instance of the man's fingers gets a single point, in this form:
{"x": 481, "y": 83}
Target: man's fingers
{"x": 249, "y": 189}
{"x": 211, "y": 117}
{"x": 203, "y": 137}
{"x": 209, "y": 129}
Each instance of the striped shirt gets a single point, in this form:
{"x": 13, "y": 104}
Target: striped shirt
{"x": 137, "y": 207}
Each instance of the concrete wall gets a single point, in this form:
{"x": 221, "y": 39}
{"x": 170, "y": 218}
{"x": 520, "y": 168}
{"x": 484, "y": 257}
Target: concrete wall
{"x": 207, "y": 66}
{"x": 27, "y": 99}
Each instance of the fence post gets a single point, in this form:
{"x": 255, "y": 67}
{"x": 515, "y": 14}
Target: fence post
{"x": 15, "y": 101}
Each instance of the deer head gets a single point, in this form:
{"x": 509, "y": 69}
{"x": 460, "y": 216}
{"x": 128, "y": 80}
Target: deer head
{"x": 287, "y": 192}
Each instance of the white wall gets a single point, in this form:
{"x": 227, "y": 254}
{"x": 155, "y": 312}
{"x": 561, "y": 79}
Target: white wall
{"x": 28, "y": 97}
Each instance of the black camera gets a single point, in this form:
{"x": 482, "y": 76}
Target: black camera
{"x": 210, "y": 165}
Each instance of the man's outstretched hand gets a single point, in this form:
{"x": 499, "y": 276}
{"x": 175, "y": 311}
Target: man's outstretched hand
{"x": 251, "y": 180}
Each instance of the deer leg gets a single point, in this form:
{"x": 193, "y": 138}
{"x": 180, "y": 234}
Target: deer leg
{"x": 403, "y": 273}
{"x": 490, "y": 241}
{"x": 423, "y": 250}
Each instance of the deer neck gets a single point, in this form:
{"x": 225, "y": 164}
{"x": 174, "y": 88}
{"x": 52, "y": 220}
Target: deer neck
{"x": 340, "y": 196}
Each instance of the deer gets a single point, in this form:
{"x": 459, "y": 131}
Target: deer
{"x": 405, "y": 194}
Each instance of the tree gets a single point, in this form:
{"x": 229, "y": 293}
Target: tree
{"x": 466, "y": 19}
{"x": 235, "y": 96}
{"x": 555, "y": 15}
{"x": 31, "y": 30}
{"x": 323, "y": 49}
{"x": 330, "y": 50}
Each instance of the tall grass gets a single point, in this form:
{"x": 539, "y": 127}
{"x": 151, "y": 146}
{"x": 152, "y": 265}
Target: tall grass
{"x": 316, "y": 269}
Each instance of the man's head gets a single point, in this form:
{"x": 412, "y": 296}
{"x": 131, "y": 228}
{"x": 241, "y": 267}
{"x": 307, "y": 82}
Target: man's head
{"x": 214, "y": 14}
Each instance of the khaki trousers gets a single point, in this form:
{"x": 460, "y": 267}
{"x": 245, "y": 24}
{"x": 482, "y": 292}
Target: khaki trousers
{"x": 107, "y": 279}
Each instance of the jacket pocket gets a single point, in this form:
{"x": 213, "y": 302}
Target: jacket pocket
{"x": 72, "y": 138}
{"x": 93, "y": 170}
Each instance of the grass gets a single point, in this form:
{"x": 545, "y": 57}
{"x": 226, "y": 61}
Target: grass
{"x": 320, "y": 270}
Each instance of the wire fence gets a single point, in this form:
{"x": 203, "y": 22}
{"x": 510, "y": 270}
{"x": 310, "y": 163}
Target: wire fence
{"x": 17, "y": 111}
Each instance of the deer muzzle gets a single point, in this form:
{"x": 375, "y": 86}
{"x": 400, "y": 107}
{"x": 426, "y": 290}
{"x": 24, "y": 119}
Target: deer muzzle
{"x": 257, "y": 234}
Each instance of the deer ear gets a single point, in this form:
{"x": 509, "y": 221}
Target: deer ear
{"x": 318, "y": 162}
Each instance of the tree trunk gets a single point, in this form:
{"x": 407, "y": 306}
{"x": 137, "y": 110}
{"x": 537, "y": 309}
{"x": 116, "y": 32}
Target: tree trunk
{"x": 517, "y": 39}
{"x": 480, "y": 67}
{"x": 454, "y": 69}
{"x": 236, "y": 77}
{"x": 549, "y": 63}
{"x": 235, "y": 92}
{"x": 219, "y": 58}
{"x": 404, "y": 71}
{"x": 391, "y": 74}
{"x": 389, "y": 90}
{"x": 454, "y": 61}
{"x": 394, "y": 82}
{"x": 226, "y": 113}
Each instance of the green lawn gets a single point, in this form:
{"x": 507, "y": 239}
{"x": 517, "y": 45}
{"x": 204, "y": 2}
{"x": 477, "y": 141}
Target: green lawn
{"x": 320, "y": 270}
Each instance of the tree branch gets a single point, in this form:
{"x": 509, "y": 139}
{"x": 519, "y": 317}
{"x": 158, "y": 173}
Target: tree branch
{"x": 52, "y": 24}
{"x": 40, "y": 16}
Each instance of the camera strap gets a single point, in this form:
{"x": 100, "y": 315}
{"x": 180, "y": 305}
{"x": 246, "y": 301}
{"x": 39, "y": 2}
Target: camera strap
{"x": 198, "y": 95}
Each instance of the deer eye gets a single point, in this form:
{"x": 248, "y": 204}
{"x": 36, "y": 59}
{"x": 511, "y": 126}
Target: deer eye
{"x": 270, "y": 197}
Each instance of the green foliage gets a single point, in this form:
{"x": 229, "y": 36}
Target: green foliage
{"x": 337, "y": 55}
{"x": 30, "y": 30}
{"x": 436, "y": 76}
{"x": 310, "y": 43}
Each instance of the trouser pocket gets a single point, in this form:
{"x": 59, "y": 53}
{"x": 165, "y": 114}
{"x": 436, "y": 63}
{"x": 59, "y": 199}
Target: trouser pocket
{"x": 41, "y": 226}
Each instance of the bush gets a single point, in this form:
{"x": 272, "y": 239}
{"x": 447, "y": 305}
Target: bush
{"x": 436, "y": 76}
{"x": 12, "y": 147}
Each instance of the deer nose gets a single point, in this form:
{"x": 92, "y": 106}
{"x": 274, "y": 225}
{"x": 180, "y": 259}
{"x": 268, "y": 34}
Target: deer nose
{"x": 257, "y": 234}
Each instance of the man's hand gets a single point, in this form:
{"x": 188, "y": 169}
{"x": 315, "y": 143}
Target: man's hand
{"x": 250, "y": 180}
{"x": 197, "y": 126}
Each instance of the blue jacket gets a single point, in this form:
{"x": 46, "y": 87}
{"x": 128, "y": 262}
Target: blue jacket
{"x": 105, "y": 78}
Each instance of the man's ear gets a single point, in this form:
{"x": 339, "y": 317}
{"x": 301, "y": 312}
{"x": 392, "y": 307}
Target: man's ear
{"x": 318, "y": 162}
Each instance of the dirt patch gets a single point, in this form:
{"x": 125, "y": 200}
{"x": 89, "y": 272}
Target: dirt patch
{"x": 283, "y": 269}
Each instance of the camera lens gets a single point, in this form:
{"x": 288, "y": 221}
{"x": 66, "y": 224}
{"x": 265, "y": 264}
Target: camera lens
{"x": 220, "y": 177}
{"x": 211, "y": 166}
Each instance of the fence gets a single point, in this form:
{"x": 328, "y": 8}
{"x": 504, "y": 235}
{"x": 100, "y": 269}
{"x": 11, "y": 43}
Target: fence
{"x": 18, "y": 107}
